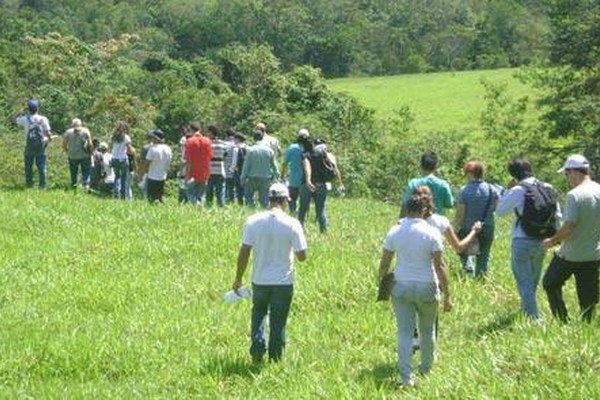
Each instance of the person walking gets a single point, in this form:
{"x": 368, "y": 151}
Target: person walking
{"x": 237, "y": 164}
{"x": 259, "y": 171}
{"x": 293, "y": 161}
{"x": 121, "y": 148}
{"x": 419, "y": 274}
{"x": 527, "y": 250}
{"x": 579, "y": 238}
{"x": 476, "y": 202}
{"x": 37, "y": 137}
{"x": 440, "y": 188}
{"x": 156, "y": 165}
{"x": 273, "y": 236}
{"x": 77, "y": 143}
{"x": 320, "y": 168}
{"x": 198, "y": 153}
{"x": 216, "y": 181}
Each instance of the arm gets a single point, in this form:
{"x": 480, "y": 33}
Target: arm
{"x": 460, "y": 215}
{"x": 563, "y": 233}
{"x": 242, "y": 264}
{"x": 384, "y": 264}
{"x": 274, "y": 167}
{"x": 440, "y": 270}
{"x": 461, "y": 245}
{"x": 65, "y": 143}
{"x": 130, "y": 149}
{"x": 308, "y": 174}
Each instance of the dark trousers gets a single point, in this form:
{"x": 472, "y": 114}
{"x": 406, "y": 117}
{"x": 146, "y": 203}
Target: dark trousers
{"x": 586, "y": 282}
{"x": 155, "y": 190}
{"x": 276, "y": 301}
{"x": 40, "y": 162}
{"x": 85, "y": 165}
{"x": 294, "y": 194}
{"x": 215, "y": 189}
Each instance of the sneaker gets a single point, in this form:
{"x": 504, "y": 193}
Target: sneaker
{"x": 411, "y": 383}
{"x": 257, "y": 359}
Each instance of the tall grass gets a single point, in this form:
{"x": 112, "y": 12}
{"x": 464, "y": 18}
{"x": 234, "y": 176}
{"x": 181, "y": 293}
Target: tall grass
{"x": 110, "y": 299}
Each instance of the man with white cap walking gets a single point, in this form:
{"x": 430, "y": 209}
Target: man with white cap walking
{"x": 77, "y": 143}
{"x": 579, "y": 236}
{"x": 273, "y": 235}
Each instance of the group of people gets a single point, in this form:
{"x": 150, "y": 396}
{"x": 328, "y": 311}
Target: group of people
{"x": 420, "y": 279}
{"x": 211, "y": 168}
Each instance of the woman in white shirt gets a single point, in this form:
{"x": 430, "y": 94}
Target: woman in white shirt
{"x": 120, "y": 148}
{"x": 418, "y": 274}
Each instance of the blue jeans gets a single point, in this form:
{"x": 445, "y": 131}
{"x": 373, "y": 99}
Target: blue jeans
{"x": 215, "y": 188}
{"x": 122, "y": 188}
{"x": 85, "y": 165}
{"x": 195, "y": 192}
{"x": 412, "y": 299}
{"x": 294, "y": 194}
{"x": 486, "y": 238}
{"x": 260, "y": 185}
{"x": 320, "y": 195}
{"x": 276, "y": 301}
{"x": 526, "y": 262}
{"x": 40, "y": 162}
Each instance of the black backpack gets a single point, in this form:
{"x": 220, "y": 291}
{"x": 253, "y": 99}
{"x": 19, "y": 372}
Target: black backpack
{"x": 240, "y": 158}
{"x": 539, "y": 210}
{"x": 324, "y": 169}
{"x": 35, "y": 137}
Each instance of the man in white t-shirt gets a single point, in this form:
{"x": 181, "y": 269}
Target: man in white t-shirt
{"x": 158, "y": 160}
{"x": 273, "y": 235}
{"x": 37, "y": 137}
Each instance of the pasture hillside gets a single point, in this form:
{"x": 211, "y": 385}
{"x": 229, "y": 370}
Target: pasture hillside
{"x": 107, "y": 299}
{"x": 445, "y": 101}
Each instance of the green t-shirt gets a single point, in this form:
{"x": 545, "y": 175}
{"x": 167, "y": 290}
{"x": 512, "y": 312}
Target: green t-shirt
{"x": 76, "y": 144}
{"x": 583, "y": 208}
{"x": 440, "y": 190}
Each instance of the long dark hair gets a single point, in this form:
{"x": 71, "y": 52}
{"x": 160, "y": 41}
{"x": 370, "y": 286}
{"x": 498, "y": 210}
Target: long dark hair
{"x": 120, "y": 131}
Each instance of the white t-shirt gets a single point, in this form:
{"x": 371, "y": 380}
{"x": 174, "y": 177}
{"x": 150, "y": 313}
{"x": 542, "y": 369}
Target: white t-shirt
{"x": 159, "y": 156}
{"x": 25, "y": 120}
{"x": 439, "y": 222}
{"x": 119, "y": 149}
{"x": 109, "y": 173}
{"x": 274, "y": 237}
{"x": 414, "y": 241}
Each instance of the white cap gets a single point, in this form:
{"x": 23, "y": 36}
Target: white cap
{"x": 279, "y": 190}
{"x": 303, "y": 133}
{"x": 575, "y": 161}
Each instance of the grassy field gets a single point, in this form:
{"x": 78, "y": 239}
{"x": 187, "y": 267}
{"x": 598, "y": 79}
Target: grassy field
{"x": 107, "y": 299}
{"x": 439, "y": 101}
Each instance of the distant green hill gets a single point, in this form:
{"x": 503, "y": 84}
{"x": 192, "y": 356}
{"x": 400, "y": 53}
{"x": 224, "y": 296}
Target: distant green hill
{"x": 438, "y": 101}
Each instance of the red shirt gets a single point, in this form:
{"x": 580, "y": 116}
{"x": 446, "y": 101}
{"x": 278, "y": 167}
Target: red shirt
{"x": 198, "y": 152}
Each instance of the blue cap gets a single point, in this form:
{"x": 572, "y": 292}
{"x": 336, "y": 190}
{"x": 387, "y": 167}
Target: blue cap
{"x": 33, "y": 105}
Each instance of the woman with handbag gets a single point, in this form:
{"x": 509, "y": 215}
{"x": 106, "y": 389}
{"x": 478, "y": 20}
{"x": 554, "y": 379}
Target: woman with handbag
{"x": 419, "y": 274}
{"x": 476, "y": 202}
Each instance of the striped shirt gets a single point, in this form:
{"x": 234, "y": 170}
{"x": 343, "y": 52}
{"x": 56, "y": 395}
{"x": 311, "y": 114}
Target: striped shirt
{"x": 229, "y": 161}
{"x": 217, "y": 164}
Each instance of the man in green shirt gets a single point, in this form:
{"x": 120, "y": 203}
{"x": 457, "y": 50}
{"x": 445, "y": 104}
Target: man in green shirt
{"x": 259, "y": 171}
{"x": 440, "y": 189}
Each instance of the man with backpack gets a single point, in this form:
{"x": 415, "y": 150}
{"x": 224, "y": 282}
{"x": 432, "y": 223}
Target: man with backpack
{"x": 37, "y": 136}
{"x": 535, "y": 205}
{"x": 320, "y": 170}
{"x": 77, "y": 143}
{"x": 579, "y": 238}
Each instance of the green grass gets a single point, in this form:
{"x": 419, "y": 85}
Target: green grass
{"x": 439, "y": 101}
{"x": 108, "y": 299}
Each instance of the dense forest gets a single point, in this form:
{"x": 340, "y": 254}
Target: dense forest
{"x": 338, "y": 36}
{"x": 163, "y": 63}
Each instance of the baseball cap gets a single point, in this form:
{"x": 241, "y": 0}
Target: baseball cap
{"x": 157, "y": 134}
{"x": 575, "y": 161}
{"x": 33, "y": 104}
{"x": 303, "y": 133}
{"x": 279, "y": 190}
{"x": 103, "y": 146}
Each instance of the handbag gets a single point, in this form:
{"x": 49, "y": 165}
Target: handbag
{"x": 386, "y": 284}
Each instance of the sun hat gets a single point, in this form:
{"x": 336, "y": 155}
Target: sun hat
{"x": 575, "y": 161}
{"x": 303, "y": 133}
{"x": 278, "y": 190}
{"x": 103, "y": 146}
{"x": 76, "y": 123}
